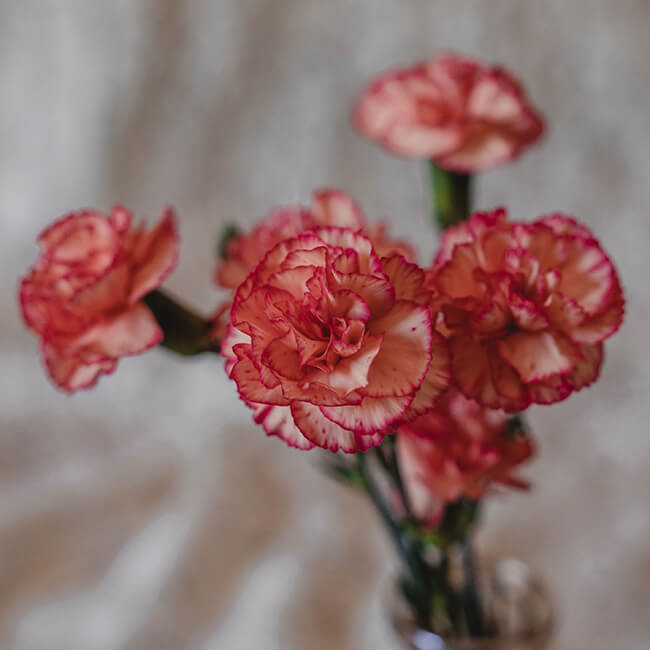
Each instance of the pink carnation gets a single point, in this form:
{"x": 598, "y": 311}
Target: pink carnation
{"x": 331, "y": 345}
{"x": 526, "y": 307}
{"x": 464, "y": 115}
{"x": 83, "y": 295}
{"x": 456, "y": 450}
{"x": 328, "y": 208}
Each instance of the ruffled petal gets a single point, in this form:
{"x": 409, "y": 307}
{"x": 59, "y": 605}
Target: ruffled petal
{"x": 526, "y": 314}
{"x": 345, "y": 238}
{"x": 250, "y": 387}
{"x": 588, "y": 276}
{"x": 493, "y": 99}
{"x": 374, "y": 414}
{"x": 351, "y": 373}
{"x": 278, "y": 421}
{"x": 587, "y": 369}
{"x": 78, "y": 236}
{"x": 407, "y": 279}
{"x": 73, "y": 373}
{"x": 456, "y": 279}
{"x": 108, "y": 292}
{"x": 323, "y": 432}
{"x": 435, "y": 382}
{"x": 336, "y": 208}
{"x": 509, "y": 386}
{"x": 415, "y": 141}
{"x": 536, "y": 356}
{"x": 405, "y": 354}
{"x": 481, "y": 151}
{"x": 131, "y": 332}
{"x": 471, "y": 372}
{"x": 599, "y": 328}
{"x": 156, "y": 255}
{"x": 377, "y": 293}
{"x": 549, "y": 391}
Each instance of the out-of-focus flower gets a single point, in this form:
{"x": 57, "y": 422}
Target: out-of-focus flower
{"x": 329, "y": 208}
{"x": 83, "y": 295}
{"x": 331, "y": 345}
{"x": 464, "y": 115}
{"x": 526, "y": 307}
{"x": 458, "y": 449}
{"x": 385, "y": 245}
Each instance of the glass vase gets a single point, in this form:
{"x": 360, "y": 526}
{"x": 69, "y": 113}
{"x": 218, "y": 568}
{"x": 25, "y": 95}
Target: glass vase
{"x": 515, "y": 605}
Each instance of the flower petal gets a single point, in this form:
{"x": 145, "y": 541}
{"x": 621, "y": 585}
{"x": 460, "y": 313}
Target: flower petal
{"x": 471, "y": 372}
{"x": 109, "y": 291}
{"x": 587, "y": 369}
{"x": 335, "y": 208}
{"x": 131, "y": 332}
{"x": 321, "y": 431}
{"x": 435, "y": 382}
{"x": 598, "y": 328}
{"x": 538, "y": 355}
{"x": 508, "y": 384}
{"x": 406, "y": 278}
{"x": 345, "y": 238}
{"x": 374, "y": 414}
{"x": 526, "y": 314}
{"x": 415, "y": 141}
{"x": 250, "y": 387}
{"x": 278, "y": 421}
{"x": 588, "y": 276}
{"x": 72, "y": 373}
{"x": 456, "y": 279}
{"x": 405, "y": 354}
{"x": 377, "y": 293}
{"x": 351, "y": 373}
{"x": 156, "y": 256}
{"x": 78, "y": 235}
{"x": 482, "y": 150}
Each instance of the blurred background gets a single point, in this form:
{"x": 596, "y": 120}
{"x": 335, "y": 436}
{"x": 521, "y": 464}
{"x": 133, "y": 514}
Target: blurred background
{"x": 151, "y": 513}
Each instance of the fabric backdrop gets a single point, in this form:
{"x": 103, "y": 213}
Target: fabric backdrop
{"x": 150, "y": 513}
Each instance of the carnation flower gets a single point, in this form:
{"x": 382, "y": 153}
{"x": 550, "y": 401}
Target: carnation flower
{"x": 328, "y": 208}
{"x": 458, "y": 449}
{"x": 466, "y": 116}
{"x": 83, "y": 295}
{"x": 525, "y": 307}
{"x": 330, "y": 345}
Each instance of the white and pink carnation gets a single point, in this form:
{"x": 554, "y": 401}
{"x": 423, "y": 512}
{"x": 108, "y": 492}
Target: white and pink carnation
{"x": 330, "y": 345}
{"x": 464, "y": 115}
{"x": 526, "y": 307}
{"x": 83, "y": 297}
{"x": 458, "y": 449}
{"x": 329, "y": 207}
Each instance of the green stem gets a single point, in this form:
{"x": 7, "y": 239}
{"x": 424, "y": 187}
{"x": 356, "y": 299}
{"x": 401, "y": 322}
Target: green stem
{"x": 469, "y": 595}
{"x": 412, "y": 561}
{"x": 184, "y": 331}
{"x": 384, "y": 511}
{"x": 387, "y": 454}
{"x": 452, "y": 196}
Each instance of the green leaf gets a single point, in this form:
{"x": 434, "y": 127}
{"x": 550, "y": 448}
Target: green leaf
{"x": 229, "y": 232}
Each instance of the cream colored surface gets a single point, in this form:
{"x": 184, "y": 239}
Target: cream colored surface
{"x": 150, "y": 513}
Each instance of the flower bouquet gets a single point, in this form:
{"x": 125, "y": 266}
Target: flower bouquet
{"x": 413, "y": 379}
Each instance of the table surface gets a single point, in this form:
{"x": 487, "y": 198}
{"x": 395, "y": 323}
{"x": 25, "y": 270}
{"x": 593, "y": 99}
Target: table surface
{"x": 151, "y": 513}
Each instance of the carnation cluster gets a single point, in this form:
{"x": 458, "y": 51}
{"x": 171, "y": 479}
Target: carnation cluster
{"x": 331, "y": 331}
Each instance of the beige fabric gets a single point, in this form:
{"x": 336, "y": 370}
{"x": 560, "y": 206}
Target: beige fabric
{"x": 150, "y": 513}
